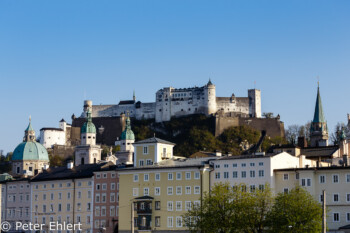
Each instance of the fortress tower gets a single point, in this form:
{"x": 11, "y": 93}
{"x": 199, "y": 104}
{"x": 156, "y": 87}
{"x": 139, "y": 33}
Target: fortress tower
{"x": 254, "y": 96}
{"x": 210, "y": 98}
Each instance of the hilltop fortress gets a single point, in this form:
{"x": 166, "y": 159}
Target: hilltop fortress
{"x": 173, "y": 102}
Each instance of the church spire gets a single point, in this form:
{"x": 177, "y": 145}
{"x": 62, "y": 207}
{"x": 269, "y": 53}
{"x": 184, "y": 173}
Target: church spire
{"x": 29, "y": 133}
{"x": 318, "y": 115}
{"x": 319, "y": 130}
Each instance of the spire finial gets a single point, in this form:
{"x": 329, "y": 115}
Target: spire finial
{"x": 30, "y": 119}
{"x": 318, "y": 82}
{"x": 134, "y": 96}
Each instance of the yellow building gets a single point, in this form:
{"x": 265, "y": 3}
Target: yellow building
{"x": 160, "y": 188}
{"x": 62, "y": 198}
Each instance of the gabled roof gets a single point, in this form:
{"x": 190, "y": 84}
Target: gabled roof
{"x": 324, "y": 151}
{"x": 153, "y": 140}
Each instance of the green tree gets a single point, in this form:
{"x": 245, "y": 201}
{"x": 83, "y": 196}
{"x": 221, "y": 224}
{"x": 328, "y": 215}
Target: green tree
{"x": 231, "y": 209}
{"x": 295, "y": 211}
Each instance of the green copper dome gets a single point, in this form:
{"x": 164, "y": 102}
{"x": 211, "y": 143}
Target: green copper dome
{"x": 88, "y": 126}
{"x": 127, "y": 134}
{"x": 30, "y": 151}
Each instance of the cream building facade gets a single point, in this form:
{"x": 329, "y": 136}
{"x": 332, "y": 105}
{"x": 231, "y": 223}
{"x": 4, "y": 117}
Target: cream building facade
{"x": 157, "y": 193}
{"x": 335, "y": 180}
{"x": 64, "y": 195}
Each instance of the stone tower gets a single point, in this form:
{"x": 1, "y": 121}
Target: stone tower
{"x": 87, "y": 152}
{"x": 318, "y": 129}
{"x": 254, "y": 96}
{"x": 210, "y": 98}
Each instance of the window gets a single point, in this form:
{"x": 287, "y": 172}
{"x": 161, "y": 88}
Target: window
{"x": 217, "y": 165}
{"x": 178, "y": 190}
{"x": 188, "y": 205}
{"x": 141, "y": 162}
{"x": 157, "y": 177}
{"x": 136, "y": 177}
{"x": 170, "y": 221}
{"x": 285, "y": 176}
{"x": 103, "y": 197}
{"x": 335, "y": 217}
{"x": 234, "y": 165}
{"x": 170, "y": 206}
{"x": 234, "y": 174}
{"x": 306, "y": 182}
{"x": 309, "y": 182}
{"x": 112, "y": 186}
{"x": 261, "y": 187}
{"x": 335, "y": 197}
{"x": 225, "y": 175}
{"x": 135, "y": 192}
{"x": 68, "y": 206}
{"x": 157, "y": 221}
{"x": 170, "y": 190}
{"x": 244, "y": 174}
{"x": 225, "y": 165}
{"x": 145, "y": 150}
{"x": 252, "y": 174}
{"x": 261, "y": 163}
{"x": 146, "y": 177}
{"x": 178, "y": 221}
{"x": 157, "y": 205}
{"x": 252, "y": 188}
{"x": 347, "y": 178}
{"x": 146, "y": 191}
{"x": 217, "y": 175}
{"x": 303, "y": 182}
{"x": 335, "y": 178}
{"x": 261, "y": 173}
{"x": 286, "y": 190}
{"x": 112, "y": 197}
{"x": 322, "y": 179}
{"x": 252, "y": 164}
{"x": 297, "y": 176}
{"x": 244, "y": 165}
{"x": 188, "y": 175}
{"x": 98, "y": 186}
{"x": 97, "y": 211}
{"x": 196, "y": 175}
{"x": 178, "y": 175}
{"x": 348, "y": 197}
{"x": 97, "y": 198}
{"x": 179, "y": 206}
{"x": 188, "y": 190}
{"x": 170, "y": 176}
{"x": 321, "y": 197}
{"x": 197, "y": 190}
{"x": 157, "y": 191}
{"x": 149, "y": 162}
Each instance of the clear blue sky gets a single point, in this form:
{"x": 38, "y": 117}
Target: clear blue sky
{"x": 55, "y": 54}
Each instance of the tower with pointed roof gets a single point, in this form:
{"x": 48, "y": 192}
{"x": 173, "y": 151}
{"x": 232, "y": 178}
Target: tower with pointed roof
{"x": 318, "y": 129}
{"x": 87, "y": 152}
{"x": 29, "y": 157}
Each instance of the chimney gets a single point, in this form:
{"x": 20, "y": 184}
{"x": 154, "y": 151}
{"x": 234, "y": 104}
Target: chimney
{"x": 301, "y": 161}
{"x": 218, "y": 153}
{"x": 70, "y": 164}
{"x": 302, "y": 142}
{"x": 46, "y": 166}
{"x": 345, "y": 160}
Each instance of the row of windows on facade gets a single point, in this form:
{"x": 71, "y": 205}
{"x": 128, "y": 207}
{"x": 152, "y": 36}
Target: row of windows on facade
{"x": 12, "y": 198}
{"x": 60, "y": 220}
{"x": 13, "y": 212}
{"x": 336, "y": 197}
{"x": 15, "y": 187}
{"x": 336, "y": 217}
{"x": 105, "y": 175}
{"x": 164, "y": 152}
{"x": 321, "y": 178}
{"x": 170, "y": 176}
{"x": 60, "y": 185}
{"x": 170, "y": 190}
{"x": 235, "y": 174}
{"x": 170, "y": 222}
{"x": 52, "y": 196}
{"x": 252, "y": 164}
{"x": 60, "y": 209}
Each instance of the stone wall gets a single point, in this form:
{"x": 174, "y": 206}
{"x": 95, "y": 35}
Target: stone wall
{"x": 273, "y": 126}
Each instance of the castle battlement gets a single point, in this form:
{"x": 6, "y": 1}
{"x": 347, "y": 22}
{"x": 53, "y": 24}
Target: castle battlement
{"x": 176, "y": 102}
